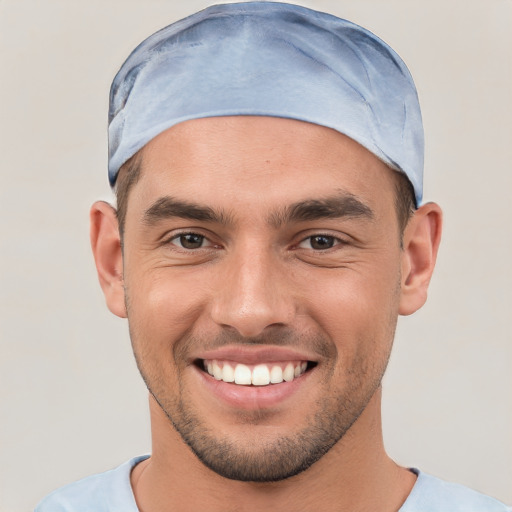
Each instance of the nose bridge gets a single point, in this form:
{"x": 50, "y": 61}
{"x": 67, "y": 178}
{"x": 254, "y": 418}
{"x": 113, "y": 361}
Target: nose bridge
{"x": 252, "y": 292}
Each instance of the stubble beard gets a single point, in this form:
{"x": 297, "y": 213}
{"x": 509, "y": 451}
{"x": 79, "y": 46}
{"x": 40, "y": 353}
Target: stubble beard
{"x": 270, "y": 460}
{"x": 265, "y": 460}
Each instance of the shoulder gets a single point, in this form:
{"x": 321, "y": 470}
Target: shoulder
{"x": 103, "y": 492}
{"x": 431, "y": 494}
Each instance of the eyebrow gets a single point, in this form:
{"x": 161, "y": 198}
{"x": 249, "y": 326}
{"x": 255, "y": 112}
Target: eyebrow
{"x": 344, "y": 205}
{"x": 168, "y": 207}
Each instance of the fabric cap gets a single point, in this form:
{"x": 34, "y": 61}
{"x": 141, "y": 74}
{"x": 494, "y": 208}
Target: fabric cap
{"x": 269, "y": 59}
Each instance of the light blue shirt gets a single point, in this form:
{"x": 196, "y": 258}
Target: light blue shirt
{"x": 111, "y": 492}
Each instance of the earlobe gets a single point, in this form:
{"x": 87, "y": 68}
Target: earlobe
{"x": 106, "y": 247}
{"x": 421, "y": 243}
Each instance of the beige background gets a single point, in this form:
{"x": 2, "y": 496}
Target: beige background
{"x": 71, "y": 401}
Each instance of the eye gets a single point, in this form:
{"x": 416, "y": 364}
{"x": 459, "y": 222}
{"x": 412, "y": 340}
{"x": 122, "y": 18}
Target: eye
{"x": 319, "y": 242}
{"x": 190, "y": 241}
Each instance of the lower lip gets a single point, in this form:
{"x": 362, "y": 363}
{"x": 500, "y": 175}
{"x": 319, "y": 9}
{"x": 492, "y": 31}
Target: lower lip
{"x": 252, "y": 397}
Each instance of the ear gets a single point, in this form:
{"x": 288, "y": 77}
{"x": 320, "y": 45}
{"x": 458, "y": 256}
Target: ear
{"x": 106, "y": 247}
{"x": 420, "y": 245}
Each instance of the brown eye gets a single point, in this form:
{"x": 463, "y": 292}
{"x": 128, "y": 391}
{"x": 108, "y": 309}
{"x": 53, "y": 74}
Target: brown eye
{"x": 189, "y": 241}
{"x": 319, "y": 242}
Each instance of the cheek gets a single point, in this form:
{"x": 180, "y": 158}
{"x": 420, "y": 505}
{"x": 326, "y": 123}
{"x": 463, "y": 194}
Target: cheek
{"x": 162, "y": 307}
{"x": 356, "y": 310}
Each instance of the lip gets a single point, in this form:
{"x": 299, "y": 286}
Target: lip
{"x": 252, "y": 355}
{"x": 251, "y": 397}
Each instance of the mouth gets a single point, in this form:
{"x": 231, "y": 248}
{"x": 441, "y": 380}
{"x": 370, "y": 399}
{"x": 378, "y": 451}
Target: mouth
{"x": 260, "y": 374}
{"x": 254, "y": 378}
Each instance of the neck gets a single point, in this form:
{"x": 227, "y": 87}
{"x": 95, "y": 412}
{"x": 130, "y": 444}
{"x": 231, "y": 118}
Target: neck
{"x": 356, "y": 475}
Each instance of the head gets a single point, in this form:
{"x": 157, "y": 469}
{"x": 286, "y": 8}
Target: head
{"x": 265, "y": 258}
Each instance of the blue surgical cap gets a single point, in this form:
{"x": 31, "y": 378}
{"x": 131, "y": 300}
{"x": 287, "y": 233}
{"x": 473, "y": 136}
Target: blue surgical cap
{"x": 269, "y": 59}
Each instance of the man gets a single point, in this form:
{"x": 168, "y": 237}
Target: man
{"x": 269, "y": 230}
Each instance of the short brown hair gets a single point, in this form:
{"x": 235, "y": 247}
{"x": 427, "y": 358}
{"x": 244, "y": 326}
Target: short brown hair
{"x": 128, "y": 176}
{"x": 405, "y": 201}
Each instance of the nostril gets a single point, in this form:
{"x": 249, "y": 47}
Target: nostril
{"x": 250, "y": 309}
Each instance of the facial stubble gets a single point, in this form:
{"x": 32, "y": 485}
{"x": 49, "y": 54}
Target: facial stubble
{"x": 263, "y": 458}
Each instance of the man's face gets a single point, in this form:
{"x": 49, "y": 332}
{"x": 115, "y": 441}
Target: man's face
{"x": 265, "y": 249}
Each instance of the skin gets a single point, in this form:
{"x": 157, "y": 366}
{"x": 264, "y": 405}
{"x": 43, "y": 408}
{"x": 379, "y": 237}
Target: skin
{"x": 257, "y": 279}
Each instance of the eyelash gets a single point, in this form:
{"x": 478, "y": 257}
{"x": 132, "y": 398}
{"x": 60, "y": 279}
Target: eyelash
{"x": 179, "y": 236}
{"x": 336, "y": 241}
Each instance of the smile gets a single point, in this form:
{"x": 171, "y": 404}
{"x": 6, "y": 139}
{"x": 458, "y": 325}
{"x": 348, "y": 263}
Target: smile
{"x": 253, "y": 377}
{"x": 262, "y": 374}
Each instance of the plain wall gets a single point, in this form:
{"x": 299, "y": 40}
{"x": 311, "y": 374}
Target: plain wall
{"x": 71, "y": 400}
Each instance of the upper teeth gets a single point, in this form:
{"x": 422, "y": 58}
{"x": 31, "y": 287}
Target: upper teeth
{"x": 258, "y": 375}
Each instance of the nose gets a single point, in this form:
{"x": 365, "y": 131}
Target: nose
{"x": 253, "y": 293}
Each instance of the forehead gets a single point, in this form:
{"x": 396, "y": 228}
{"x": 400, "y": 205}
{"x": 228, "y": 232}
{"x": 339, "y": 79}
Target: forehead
{"x": 245, "y": 159}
